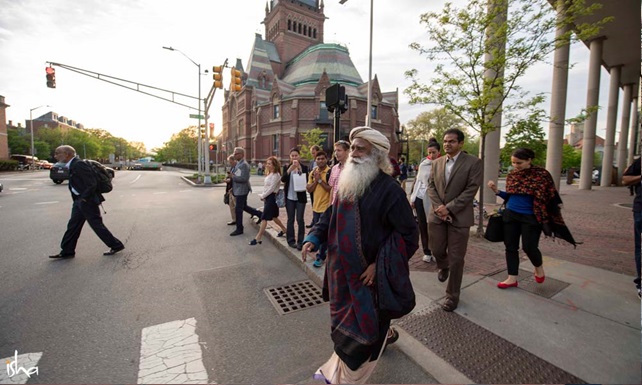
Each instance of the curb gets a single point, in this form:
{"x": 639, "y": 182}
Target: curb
{"x": 201, "y": 184}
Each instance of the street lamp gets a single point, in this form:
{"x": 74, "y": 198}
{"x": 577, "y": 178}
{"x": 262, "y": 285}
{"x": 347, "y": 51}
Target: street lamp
{"x": 33, "y": 150}
{"x": 208, "y": 178}
{"x": 369, "y": 108}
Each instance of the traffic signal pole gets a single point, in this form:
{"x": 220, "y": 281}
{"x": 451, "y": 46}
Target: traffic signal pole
{"x": 207, "y": 103}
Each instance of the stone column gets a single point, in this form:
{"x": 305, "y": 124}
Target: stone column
{"x": 558, "y": 103}
{"x": 622, "y": 148}
{"x": 611, "y": 117}
{"x": 633, "y": 132}
{"x": 592, "y": 100}
{"x": 494, "y": 43}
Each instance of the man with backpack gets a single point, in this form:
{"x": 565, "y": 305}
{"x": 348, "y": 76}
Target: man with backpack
{"x": 83, "y": 185}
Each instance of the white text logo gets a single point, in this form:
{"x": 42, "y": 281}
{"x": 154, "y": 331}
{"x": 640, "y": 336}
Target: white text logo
{"x": 13, "y": 368}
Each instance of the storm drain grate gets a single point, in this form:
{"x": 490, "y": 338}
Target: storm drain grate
{"x": 294, "y": 297}
{"x": 526, "y": 280}
{"x": 482, "y": 356}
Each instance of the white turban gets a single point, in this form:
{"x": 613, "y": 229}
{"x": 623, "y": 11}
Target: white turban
{"x": 373, "y": 136}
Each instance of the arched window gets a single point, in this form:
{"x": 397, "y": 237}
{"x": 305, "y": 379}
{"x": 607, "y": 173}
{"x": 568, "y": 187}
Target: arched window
{"x": 305, "y": 30}
{"x": 299, "y": 30}
{"x": 315, "y": 33}
{"x": 294, "y": 26}
{"x": 289, "y": 25}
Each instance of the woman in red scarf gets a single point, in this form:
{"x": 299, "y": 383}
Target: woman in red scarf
{"x": 532, "y": 206}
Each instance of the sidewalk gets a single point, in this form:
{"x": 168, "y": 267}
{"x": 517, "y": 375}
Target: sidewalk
{"x": 581, "y": 325}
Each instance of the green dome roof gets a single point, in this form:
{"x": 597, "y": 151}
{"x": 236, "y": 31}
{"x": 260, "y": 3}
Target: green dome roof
{"x": 310, "y": 64}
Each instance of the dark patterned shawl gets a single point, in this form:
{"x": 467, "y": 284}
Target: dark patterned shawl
{"x": 538, "y": 182}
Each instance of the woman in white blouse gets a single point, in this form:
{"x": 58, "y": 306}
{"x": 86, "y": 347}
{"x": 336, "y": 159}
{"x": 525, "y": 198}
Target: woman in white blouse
{"x": 271, "y": 186}
{"x": 419, "y": 199}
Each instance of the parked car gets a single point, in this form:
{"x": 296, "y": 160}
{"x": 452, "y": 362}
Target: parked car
{"x": 45, "y": 164}
{"x": 59, "y": 172}
{"x": 1, "y": 187}
{"x": 25, "y": 161}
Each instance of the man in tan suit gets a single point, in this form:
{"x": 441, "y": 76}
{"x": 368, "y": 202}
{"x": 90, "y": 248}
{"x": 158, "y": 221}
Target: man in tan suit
{"x": 453, "y": 183}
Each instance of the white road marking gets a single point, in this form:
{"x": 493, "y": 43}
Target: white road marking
{"x": 47, "y": 203}
{"x": 17, "y": 368}
{"x": 135, "y": 179}
{"x": 186, "y": 191}
{"x": 171, "y": 354}
{"x": 160, "y": 192}
{"x": 17, "y": 188}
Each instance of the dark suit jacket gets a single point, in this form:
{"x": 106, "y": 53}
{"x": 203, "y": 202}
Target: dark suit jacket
{"x": 302, "y": 196}
{"x": 458, "y": 194}
{"x": 82, "y": 178}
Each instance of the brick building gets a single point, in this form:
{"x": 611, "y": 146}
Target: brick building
{"x": 283, "y": 92}
{"x": 4, "y": 138}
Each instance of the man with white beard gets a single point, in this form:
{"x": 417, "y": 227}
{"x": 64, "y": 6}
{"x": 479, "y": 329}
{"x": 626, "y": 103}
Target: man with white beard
{"x": 371, "y": 234}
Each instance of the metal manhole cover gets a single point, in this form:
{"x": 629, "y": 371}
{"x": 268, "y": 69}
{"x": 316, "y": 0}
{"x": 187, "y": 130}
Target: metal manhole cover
{"x": 526, "y": 280}
{"x": 294, "y": 297}
{"x": 481, "y": 355}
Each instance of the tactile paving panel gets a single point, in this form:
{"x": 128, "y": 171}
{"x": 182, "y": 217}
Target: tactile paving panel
{"x": 482, "y": 356}
{"x": 294, "y": 297}
{"x": 526, "y": 280}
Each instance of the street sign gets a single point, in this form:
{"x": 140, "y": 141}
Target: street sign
{"x": 196, "y": 116}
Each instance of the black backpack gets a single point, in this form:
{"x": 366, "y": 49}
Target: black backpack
{"x": 103, "y": 178}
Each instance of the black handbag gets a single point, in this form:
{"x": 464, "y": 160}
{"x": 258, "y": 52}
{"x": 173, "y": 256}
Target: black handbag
{"x": 495, "y": 228}
{"x": 226, "y": 197}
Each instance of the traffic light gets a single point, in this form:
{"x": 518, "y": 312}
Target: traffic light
{"x": 213, "y": 147}
{"x": 235, "y": 85}
{"x": 51, "y": 77}
{"x": 218, "y": 76}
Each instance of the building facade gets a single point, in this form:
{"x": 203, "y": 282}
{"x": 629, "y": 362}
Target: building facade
{"x": 284, "y": 84}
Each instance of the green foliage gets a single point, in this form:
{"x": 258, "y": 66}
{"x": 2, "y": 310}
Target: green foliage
{"x": 433, "y": 124}
{"x": 310, "y": 138}
{"x": 571, "y": 157}
{"x": 471, "y": 145}
{"x": 477, "y": 87}
{"x": 525, "y": 133}
{"x": 8, "y": 165}
{"x": 181, "y": 148}
{"x": 19, "y": 142}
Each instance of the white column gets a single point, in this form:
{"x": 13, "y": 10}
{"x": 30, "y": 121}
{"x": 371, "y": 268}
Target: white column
{"x": 592, "y": 100}
{"x": 622, "y": 147}
{"x": 633, "y": 131}
{"x": 558, "y": 104}
{"x": 491, "y": 152}
{"x": 611, "y": 117}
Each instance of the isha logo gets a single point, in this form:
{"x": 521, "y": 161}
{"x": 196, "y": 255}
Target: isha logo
{"x": 13, "y": 368}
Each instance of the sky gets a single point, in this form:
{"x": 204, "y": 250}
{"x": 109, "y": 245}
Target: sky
{"x": 124, "y": 39}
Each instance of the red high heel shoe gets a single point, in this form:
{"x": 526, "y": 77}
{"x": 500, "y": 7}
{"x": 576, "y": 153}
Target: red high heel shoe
{"x": 539, "y": 279}
{"x": 503, "y": 285}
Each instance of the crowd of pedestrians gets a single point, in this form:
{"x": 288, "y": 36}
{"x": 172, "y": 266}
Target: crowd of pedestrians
{"x": 365, "y": 228}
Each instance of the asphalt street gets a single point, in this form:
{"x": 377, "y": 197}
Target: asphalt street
{"x": 90, "y": 318}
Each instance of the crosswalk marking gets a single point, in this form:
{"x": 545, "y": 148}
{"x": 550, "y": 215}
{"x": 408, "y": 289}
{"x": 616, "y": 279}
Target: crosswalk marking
{"x": 171, "y": 354}
{"x": 18, "y": 371}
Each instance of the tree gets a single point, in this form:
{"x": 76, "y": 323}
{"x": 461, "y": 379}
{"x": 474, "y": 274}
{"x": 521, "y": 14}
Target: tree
{"x": 433, "y": 124}
{"x": 571, "y": 157}
{"x": 526, "y": 133}
{"x": 180, "y": 148}
{"x": 311, "y": 138}
{"x": 19, "y": 143}
{"x": 487, "y": 52}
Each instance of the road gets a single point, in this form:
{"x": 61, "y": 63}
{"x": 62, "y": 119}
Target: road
{"x": 184, "y": 302}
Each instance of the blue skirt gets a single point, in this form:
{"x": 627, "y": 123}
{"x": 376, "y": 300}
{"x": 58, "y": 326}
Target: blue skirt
{"x": 270, "y": 209}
